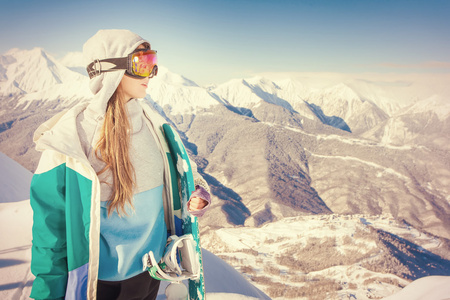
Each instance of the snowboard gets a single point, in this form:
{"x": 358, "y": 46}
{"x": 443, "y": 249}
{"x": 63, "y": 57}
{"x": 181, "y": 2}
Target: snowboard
{"x": 182, "y": 187}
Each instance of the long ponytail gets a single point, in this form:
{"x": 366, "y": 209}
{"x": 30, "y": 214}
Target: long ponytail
{"x": 113, "y": 149}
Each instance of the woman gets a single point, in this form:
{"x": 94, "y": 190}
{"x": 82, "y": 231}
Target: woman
{"x": 99, "y": 191}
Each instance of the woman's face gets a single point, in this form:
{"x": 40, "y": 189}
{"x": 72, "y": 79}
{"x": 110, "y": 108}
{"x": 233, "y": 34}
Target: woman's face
{"x": 133, "y": 87}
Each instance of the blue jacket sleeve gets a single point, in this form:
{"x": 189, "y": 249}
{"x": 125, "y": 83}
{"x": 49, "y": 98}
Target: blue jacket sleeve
{"x": 49, "y": 252}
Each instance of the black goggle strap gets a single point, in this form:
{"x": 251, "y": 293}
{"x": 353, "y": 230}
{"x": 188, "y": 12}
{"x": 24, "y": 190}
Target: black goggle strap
{"x": 97, "y": 67}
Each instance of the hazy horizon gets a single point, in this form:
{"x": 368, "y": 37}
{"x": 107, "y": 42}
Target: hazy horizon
{"x": 214, "y": 41}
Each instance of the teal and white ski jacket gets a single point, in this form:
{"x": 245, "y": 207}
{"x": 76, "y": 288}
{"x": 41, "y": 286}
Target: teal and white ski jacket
{"x": 65, "y": 197}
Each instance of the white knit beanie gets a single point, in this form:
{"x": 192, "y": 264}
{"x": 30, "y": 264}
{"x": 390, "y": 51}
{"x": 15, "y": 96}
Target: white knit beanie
{"x": 112, "y": 43}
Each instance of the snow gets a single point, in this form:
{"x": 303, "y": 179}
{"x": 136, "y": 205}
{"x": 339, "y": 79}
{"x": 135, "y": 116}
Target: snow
{"x": 368, "y": 163}
{"x": 389, "y": 91}
{"x": 437, "y": 104}
{"x": 39, "y": 77}
{"x": 238, "y": 93}
{"x": 15, "y": 250}
{"x": 29, "y": 71}
{"x": 221, "y": 280}
{"x": 351, "y": 140}
{"x": 432, "y": 287}
{"x": 73, "y": 59}
{"x": 177, "y": 94}
{"x": 250, "y": 92}
{"x": 14, "y": 180}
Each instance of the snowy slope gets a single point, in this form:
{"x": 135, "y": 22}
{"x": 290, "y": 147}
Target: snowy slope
{"x": 73, "y": 59}
{"x": 75, "y": 62}
{"x": 424, "y": 122}
{"x": 433, "y": 288}
{"x": 237, "y": 92}
{"x": 436, "y": 104}
{"x": 178, "y": 95}
{"x": 249, "y": 92}
{"x": 296, "y": 94}
{"x": 344, "y": 102}
{"x": 15, "y": 250}
{"x": 337, "y": 105}
{"x": 223, "y": 282}
{"x": 14, "y": 180}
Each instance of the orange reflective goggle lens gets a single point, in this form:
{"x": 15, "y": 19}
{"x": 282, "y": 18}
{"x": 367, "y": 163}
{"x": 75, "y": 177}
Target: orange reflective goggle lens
{"x": 143, "y": 63}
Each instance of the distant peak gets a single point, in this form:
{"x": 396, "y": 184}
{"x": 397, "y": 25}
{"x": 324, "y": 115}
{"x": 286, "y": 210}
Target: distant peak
{"x": 341, "y": 85}
{"x": 36, "y": 51}
{"x": 168, "y": 77}
{"x": 344, "y": 91}
{"x": 12, "y": 51}
{"x": 256, "y": 78}
{"x": 259, "y": 80}
{"x": 73, "y": 59}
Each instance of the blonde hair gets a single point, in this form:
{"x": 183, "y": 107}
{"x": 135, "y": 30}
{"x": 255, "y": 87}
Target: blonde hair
{"x": 113, "y": 149}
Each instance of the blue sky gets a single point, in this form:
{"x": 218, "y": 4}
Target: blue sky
{"x": 216, "y": 40}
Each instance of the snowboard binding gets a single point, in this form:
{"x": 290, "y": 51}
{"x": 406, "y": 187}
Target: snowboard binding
{"x": 179, "y": 262}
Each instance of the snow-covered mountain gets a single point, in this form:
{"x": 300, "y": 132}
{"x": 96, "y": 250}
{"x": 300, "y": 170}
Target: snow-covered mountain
{"x": 36, "y": 78}
{"x": 437, "y": 104}
{"x": 296, "y": 94}
{"x": 30, "y": 71}
{"x": 248, "y": 93}
{"x": 75, "y": 62}
{"x": 424, "y": 123}
{"x": 178, "y": 95}
{"x": 343, "y": 102}
{"x": 359, "y": 104}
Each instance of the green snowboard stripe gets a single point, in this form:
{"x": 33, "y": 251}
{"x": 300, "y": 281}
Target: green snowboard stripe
{"x": 175, "y": 192}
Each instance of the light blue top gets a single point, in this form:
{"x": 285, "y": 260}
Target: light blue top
{"x": 124, "y": 240}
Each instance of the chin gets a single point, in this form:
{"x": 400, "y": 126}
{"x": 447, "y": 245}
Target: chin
{"x": 141, "y": 95}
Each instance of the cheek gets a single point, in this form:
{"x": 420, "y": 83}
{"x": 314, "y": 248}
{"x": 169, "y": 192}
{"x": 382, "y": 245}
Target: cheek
{"x": 125, "y": 82}
{"x": 132, "y": 84}
{"x": 133, "y": 88}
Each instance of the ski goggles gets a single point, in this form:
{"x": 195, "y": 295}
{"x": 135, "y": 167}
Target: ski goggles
{"x": 140, "y": 63}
